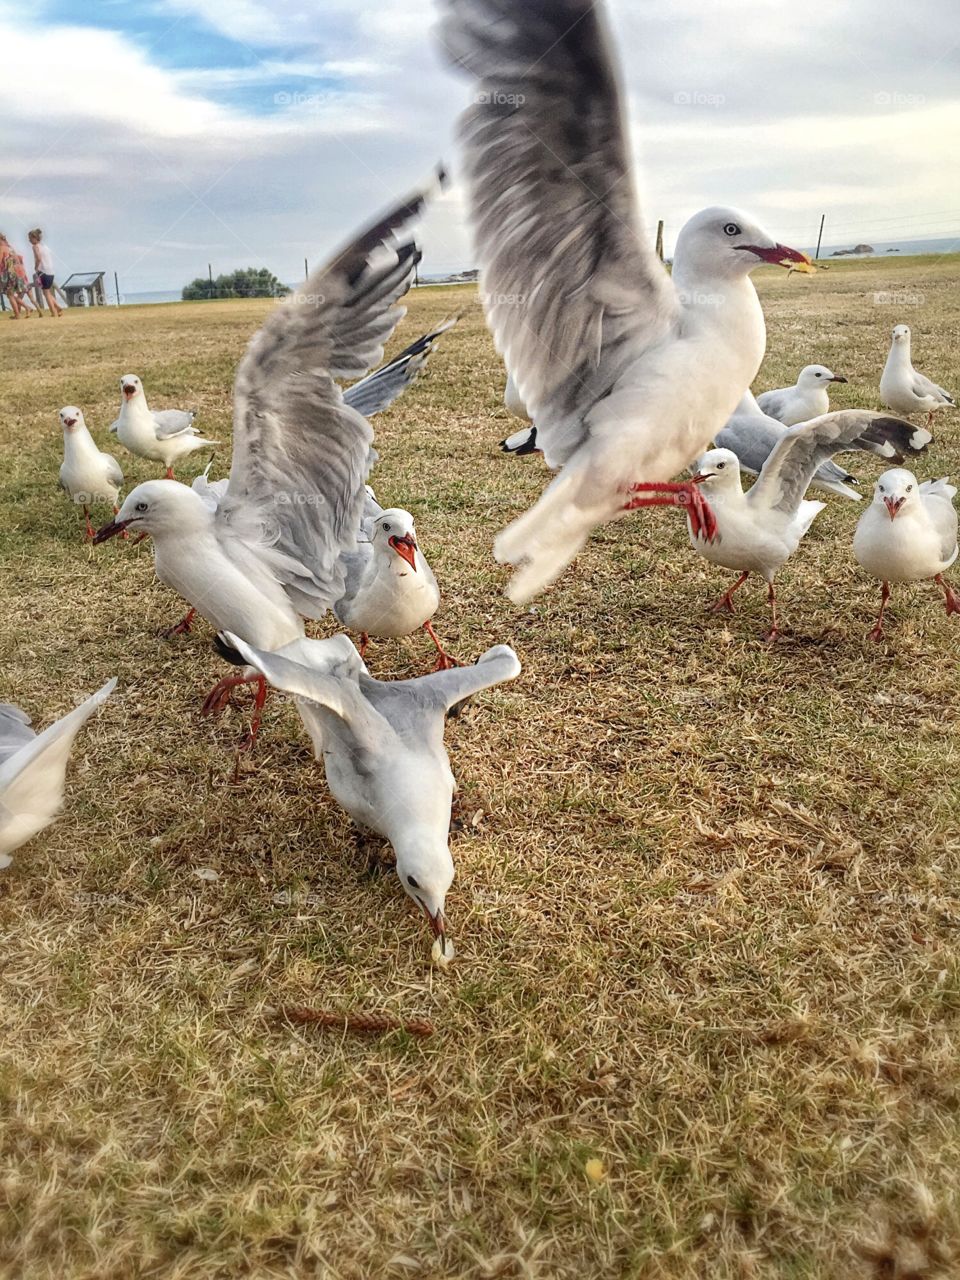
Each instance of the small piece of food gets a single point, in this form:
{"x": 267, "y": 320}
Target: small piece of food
{"x": 442, "y": 952}
{"x": 594, "y": 1170}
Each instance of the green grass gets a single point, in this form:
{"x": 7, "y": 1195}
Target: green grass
{"x": 706, "y": 901}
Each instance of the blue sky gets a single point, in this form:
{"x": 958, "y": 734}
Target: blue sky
{"x": 162, "y": 135}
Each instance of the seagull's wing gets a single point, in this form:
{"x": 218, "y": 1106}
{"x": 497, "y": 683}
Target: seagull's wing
{"x": 114, "y": 473}
{"x": 571, "y": 290}
{"x": 774, "y": 403}
{"x": 938, "y": 496}
{"x": 113, "y": 426}
{"x": 300, "y": 455}
{"x": 751, "y": 436}
{"x": 174, "y": 422}
{"x": 212, "y": 492}
{"x": 378, "y": 390}
{"x": 444, "y": 689}
{"x": 32, "y": 778}
{"x": 796, "y": 457}
{"x": 15, "y": 731}
{"x": 923, "y": 386}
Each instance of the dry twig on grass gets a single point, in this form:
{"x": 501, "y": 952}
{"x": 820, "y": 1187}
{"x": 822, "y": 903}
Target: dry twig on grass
{"x": 367, "y": 1023}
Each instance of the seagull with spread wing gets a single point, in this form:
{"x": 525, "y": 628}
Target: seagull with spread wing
{"x": 272, "y": 549}
{"x": 762, "y": 528}
{"x": 627, "y": 372}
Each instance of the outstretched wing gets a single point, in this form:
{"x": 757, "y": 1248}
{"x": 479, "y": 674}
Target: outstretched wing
{"x": 572, "y": 292}
{"x": 801, "y": 450}
{"x": 444, "y": 689}
{"x": 300, "y": 455}
{"x": 378, "y": 390}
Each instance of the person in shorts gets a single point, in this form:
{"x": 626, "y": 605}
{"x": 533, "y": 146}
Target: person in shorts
{"x": 43, "y": 262}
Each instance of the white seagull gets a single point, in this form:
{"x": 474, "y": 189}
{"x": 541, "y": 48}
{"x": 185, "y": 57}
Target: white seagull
{"x": 759, "y": 530}
{"x": 87, "y": 475}
{"x": 627, "y": 372}
{"x": 908, "y": 533}
{"x": 808, "y": 398}
{"x": 33, "y": 769}
{"x": 905, "y": 390}
{"x": 382, "y": 747}
{"x": 270, "y": 552}
{"x": 164, "y": 436}
{"x": 751, "y": 434}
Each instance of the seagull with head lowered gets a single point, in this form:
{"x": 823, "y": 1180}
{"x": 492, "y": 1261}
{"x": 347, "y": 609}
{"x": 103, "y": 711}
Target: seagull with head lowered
{"x": 808, "y": 398}
{"x": 627, "y": 372}
{"x": 761, "y": 529}
{"x": 382, "y": 748}
{"x": 271, "y": 550}
{"x": 87, "y": 475}
{"x": 752, "y": 434}
{"x": 905, "y": 390}
{"x": 908, "y": 533}
{"x": 33, "y": 769}
{"x": 164, "y": 436}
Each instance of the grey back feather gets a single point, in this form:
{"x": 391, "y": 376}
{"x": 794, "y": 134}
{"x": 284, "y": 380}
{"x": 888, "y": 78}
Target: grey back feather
{"x": 15, "y": 730}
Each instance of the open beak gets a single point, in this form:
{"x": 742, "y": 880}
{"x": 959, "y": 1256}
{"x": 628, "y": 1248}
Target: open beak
{"x": 69, "y": 422}
{"x": 129, "y": 391}
{"x": 893, "y": 505}
{"x": 110, "y": 531}
{"x": 836, "y": 378}
{"x": 438, "y": 926}
{"x": 782, "y": 256}
{"x": 406, "y": 548}
{"x": 701, "y": 476}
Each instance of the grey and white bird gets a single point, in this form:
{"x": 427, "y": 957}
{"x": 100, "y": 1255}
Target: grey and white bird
{"x": 808, "y": 398}
{"x": 523, "y": 441}
{"x": 163, "y": 436}
{"x": 381, "y": 743}
{"x": 87, "y": 475}
{"x": 271, "y": 551}
{"x": 33, "y": 769}
{"x": 751, "y": 434}
{"x": 907, "y": 534}
{"x": 627, "y": 372}
{"x": 761, "y": 529}
{"x": 905, "y": 390}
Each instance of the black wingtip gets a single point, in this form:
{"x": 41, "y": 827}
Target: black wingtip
{"x": 528, "y": 446}
{"x": 227, "y": 651}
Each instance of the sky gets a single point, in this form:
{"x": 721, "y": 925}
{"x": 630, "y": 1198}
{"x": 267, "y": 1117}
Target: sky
{"x": 150, "y": 137}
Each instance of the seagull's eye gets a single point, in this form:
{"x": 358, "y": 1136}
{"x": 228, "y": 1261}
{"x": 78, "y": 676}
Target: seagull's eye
{"x": 721, "y": 465}
{"x": 818, "y": 375}
{"x": 141, "y": 506}
{"x": 909, "y": 487}
{"x": 731, "y": 229}
{"x": 412, "y": 883}
{"x": 386, "y": 528}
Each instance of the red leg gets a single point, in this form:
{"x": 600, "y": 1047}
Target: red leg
{"x": 364, "y": 641}
{"x": 703, "y": 522}
{"x": 950, "y": 597}
{"x": 726, "y": 601}
{"x": 774, "y": 629}
{"x": 168, "y": 474}
{"x": 182, "y": 627}
{"x": 877, "y": 632}
{"x": 259, "y": 700}
{"x": 444, "y": 661}
{"x": 90, "y": 529}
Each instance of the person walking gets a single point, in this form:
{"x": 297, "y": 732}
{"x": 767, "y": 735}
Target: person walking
{"x": 43, "y": 262}
{"x": 13, "y": 280}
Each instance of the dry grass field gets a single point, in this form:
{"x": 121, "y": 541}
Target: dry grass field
{"x": 704, "y": 1020}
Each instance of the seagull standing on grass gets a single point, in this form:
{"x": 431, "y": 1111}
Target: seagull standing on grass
{"x": 908, "y": 533}
{"x": 752, "y": 434}
{"x": 759, "y": 530}
{"x": 382, "y": 748}
{"x": 808, "y": 398}
{"x": 271, "y": 552}
{"x": 33, "y": 769}
{"x": 902, "y": 388}
{"x": 164, "y": 436}
{"x": 86, "y": 475}
{"x": 627, "y": 372}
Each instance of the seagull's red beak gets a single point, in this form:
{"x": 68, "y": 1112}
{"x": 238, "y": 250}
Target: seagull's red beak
{"x": 781, "y": 256}
{"x": 69, "y": 422}
{"x": 438, "y": 926}
{"x": 893, "y": 505}
{"x": 406, "y": 548}
{"x": 129, "y": 390}
{"x": 110, "y": 531}
{"x": 700, "y": 477}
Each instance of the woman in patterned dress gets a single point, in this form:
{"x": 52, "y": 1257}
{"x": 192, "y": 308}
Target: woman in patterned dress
{"x": 13, "y": 280}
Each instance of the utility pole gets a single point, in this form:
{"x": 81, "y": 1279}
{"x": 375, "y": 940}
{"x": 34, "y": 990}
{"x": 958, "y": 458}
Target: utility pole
{"x": 823, "y": 218}
{"x": 306, "y": 270}
{"x": 660, "y": 239}
{"x": 116, "y": 286}
{"x": 210, "y": 278}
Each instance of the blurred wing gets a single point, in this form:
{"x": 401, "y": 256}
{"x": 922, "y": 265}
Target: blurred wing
{"x": 15, "y": 731}
{"x": 801, "y": 450}
{"x": 378, "y": 390}
{"x": 174, "y": 422}
{"x": 300, "y": 455}
{"x": 572, "y": 293}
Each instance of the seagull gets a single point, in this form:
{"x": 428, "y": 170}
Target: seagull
{"x": 163, "y": 436}
{"x": 627, "y": 372}
{"x": 751, "y": 434}
{"x": 86, "y": 474}
{"x": 382, "y": 748}
{"x": 759, "y": 530}
{"x": 33, "y": 769}
{"x": 390, "y": 590}
{"x": 902, "y": 388}
{"x": 909, "y": 532}
{"x": 808, "y": 398}
{"x": 271, "y": 552}
{"x": 378, "y": 390}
